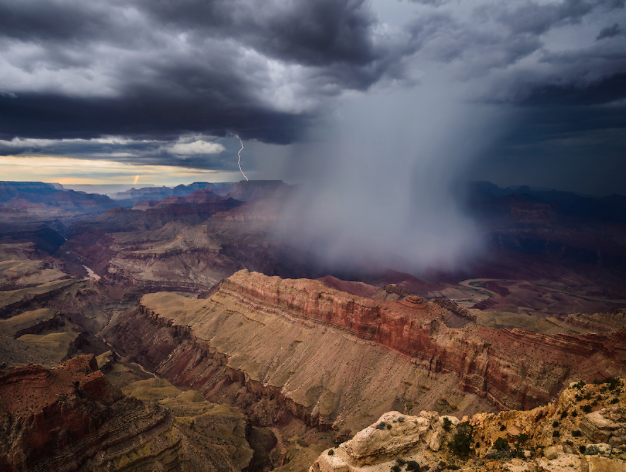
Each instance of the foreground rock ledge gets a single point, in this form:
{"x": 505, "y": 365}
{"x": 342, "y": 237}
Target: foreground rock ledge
{"x": 584, "y": 430}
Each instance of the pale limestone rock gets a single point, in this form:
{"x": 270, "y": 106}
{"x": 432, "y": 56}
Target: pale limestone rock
{"x": 617, "y": 440}
{"x": 604, "y": 424}
{"x": 604, "y": 464}
{"x": 373, "y": 445}
{"x": 518, "y": 465}
{"x": 334, "y": 463}
{"x": 600, "y": 422}
{"x": 562, "y": 463}
{"x": 550, "y": 453}
{"x": 435, "y": 441}
{"x": 431, "y": 416}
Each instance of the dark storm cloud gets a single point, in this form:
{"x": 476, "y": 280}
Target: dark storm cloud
{"x": 157, "y": 70}
{"x": 534, "y": 18}
{"x": 610, "y": 31}
{"x": 53, "y": 20}
{"x": 524, "y": 52}
{"x": 312, "y": 33}
{"x": 164, "y": 68}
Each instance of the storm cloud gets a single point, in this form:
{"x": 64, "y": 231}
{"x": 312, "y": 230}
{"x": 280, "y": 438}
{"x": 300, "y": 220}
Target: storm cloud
{"x": 154, "y": 72}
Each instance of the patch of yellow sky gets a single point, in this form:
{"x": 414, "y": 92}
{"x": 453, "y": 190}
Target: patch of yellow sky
{"x": 67, "y": 171}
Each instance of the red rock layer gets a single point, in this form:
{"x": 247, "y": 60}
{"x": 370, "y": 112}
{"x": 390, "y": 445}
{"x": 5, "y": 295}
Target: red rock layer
{"x": 512, "y": 368}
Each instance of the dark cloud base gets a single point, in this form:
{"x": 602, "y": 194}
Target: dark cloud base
{"x": 606, "y": 90}
{"x": 58, "y": 117}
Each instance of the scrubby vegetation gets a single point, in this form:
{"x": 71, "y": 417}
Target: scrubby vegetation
{"x": 501, "y": 444}
{"x": 413, "y": 466}
{"x": 461, "y": 443}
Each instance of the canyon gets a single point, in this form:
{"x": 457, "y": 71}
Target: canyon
{"x": 216, "y": 342}
{"x": 272, "y": 331}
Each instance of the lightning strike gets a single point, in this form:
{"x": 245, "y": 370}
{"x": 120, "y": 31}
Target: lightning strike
{"x": 239, "y": 155}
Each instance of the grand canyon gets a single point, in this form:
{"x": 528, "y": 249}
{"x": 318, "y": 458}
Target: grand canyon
{"x": 312, "y": 236}
{"x": 181, "y": 332}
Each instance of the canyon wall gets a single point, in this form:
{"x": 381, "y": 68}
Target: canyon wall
{"x": 513, "y": 368}
{"x": 295, "y": 348}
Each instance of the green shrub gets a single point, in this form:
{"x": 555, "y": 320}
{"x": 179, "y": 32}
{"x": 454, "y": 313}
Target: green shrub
{"x": 577, "y": 433}
{"x": 461, "y": 443}
{"x": 569, "y": 442}
{"x": 556, "y": 434}
{"x": 574, "y": 413}
{"x": 614, "y": 401}
{"x": 401, "y": 419}
{"x": 400, "y": 462}
{"x": 396, "y": 468}
{"x": 555, "y": 424}
{"x": 501, "y": 444}
{"x": 388, "y": 426}
{"x": 413, "y": 466}
{"x": 331, "y": 453}
{"x": 582, "y": 449}
{"x": 447, "y": 424}
{"x": 522, "y": 438}
{"x": 592, "y": 450}
{"x": 587, "y": 408}
{"x": 502, "y": 428}
{"x": 517, "y": 452}
{"x": 381, "y": 425}
{"x": 453, "y": 467}
{"x": 498, "y": 455}
{"x": 564, "y": 414}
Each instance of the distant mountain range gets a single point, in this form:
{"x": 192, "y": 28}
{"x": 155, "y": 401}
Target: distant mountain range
{"x": 611, "y": 208}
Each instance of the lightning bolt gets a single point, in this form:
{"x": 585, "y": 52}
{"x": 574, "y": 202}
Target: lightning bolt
{"x": 239, "y": 155}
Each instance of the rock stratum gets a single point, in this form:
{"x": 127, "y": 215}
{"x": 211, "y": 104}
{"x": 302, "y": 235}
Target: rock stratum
{"x": 283, "y": 349}
{"x": 72, "y": 418}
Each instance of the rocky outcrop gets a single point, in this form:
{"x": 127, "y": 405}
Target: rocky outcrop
{"x": 557, "y": 437}
{"x": 72, "y": 418}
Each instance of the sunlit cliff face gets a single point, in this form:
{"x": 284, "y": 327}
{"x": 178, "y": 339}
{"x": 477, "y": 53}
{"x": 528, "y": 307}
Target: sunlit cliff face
{"x": 379, "y": 183}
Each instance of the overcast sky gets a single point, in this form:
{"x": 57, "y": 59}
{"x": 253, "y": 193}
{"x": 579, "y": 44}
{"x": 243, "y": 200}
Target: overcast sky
{"x": 142, "y": 86}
